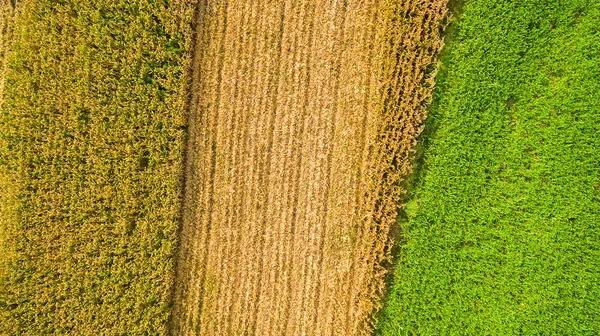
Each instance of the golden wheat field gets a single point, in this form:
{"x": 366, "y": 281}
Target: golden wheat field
{"x": 304, "y": 115}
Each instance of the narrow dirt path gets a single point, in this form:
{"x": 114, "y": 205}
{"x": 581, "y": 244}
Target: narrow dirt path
{"x": 303, "y": 118}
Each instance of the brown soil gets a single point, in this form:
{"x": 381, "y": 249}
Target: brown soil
{"x": 303, "y": 119}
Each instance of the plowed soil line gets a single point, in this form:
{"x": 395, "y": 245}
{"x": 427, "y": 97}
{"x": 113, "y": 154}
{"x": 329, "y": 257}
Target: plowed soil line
{"x": 303, "y": 119}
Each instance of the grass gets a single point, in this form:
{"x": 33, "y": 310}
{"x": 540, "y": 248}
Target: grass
{"x": 92, "y": 133}
{"x": 502, "y": 228}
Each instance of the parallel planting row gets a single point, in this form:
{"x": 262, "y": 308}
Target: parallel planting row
{"x": 303, "y": 119}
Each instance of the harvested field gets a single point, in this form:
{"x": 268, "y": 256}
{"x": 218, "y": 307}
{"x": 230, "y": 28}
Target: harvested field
{"x": 303, "y": 119}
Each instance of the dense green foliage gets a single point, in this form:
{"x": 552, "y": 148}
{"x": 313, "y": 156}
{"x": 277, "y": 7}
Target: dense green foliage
{"x": 502, "y": 229}
{"x": 92, "y": 132}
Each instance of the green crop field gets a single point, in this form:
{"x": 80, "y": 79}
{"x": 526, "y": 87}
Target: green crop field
{"x": 502, "y": 226}
{"x": 92, "y": 134}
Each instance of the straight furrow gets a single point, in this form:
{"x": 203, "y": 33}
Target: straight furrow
{"x": 321, "y": 103}
{"x": 288, "y": 162}
{"x": 187, "y": 237}
{"x": 243, "y": 108}
{"x": 269, "y": 112}
{"x": 235, "y": 149}
{"x": 298, "y": 108}
{"x": 322, "y": 299}
{"x": 208, "y": 279}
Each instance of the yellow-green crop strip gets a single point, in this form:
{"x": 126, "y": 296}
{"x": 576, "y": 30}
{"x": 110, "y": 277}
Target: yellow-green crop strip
{"x": 92, "y": 134}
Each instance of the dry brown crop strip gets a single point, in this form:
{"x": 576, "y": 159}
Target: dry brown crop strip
{"x": 305, "y": 118}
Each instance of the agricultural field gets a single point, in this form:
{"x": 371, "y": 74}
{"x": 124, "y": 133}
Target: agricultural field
{"x": 299, "y": 167}
{"x": 303, "y": 120}
{"x": 501, "y": 228}
{"x": 270, "y": 136}
{"x": 92, "y": 132}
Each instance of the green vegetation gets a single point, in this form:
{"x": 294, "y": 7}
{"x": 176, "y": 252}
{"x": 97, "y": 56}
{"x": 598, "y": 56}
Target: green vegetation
{"x": 502, "y": 229}
{"x": 92, "y": 133}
